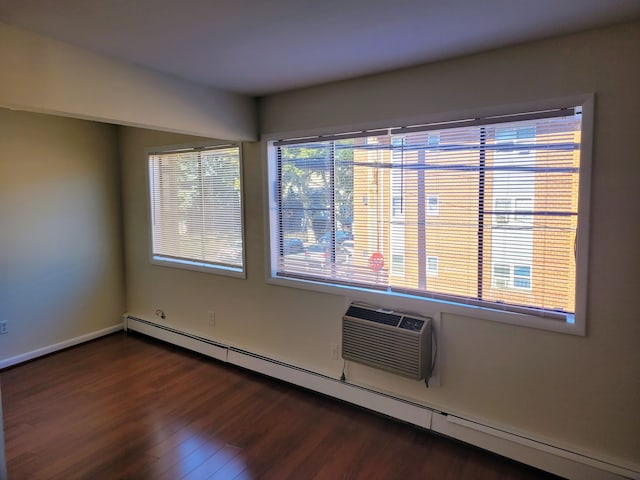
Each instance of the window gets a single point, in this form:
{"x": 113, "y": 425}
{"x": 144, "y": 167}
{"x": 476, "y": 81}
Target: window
{"x": 511, "y": 276}
{"x": 504, "y": 220}
{"x": 397, "y": 264}
{"x": 502, "y": 213}
{"x": 501, "y": 276}
{"x": 396, "y": 206}
{"x": 523, "y": 210}
{"x": 432, "y": 266}
{"x": 196, "y": 209}
{"x": 432, "y": 205}
{"x": 522, "y": 276}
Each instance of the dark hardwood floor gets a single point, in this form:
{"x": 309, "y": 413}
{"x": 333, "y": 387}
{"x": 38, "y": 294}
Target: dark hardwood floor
{"x": 130, "y": 407}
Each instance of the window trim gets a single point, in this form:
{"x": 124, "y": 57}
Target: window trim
{"x": 186, "y": 264}
{"x": 574, "y": 324}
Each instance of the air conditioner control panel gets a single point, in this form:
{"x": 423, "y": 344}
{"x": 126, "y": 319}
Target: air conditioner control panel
{"x": 413, "y": 324}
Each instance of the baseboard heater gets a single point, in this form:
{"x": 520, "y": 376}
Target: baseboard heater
{"x": 385, "y": 404}
{"x": 538, "y": 454}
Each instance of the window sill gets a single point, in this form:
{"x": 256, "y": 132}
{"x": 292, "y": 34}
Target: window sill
{"x": 199, "y": 267}
{"x": 429, "y": 306}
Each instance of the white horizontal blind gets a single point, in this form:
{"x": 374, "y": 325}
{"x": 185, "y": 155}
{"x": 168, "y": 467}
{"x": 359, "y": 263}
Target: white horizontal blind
{"x": 483, "y": 214}
{"x": 196, "y": 206}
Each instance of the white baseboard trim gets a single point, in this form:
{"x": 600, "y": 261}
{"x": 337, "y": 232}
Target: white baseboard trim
{"x": 560, "y": 461}
{"x": 385, "y": 404}
{"x": 24, "y": 357}
{"x": 176, "y": 337}
{"x": 363, "y": 397}
{"x": 531, "y": 452}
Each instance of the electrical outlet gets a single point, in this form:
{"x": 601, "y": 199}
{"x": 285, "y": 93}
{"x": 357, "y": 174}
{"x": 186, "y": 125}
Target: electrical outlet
{"x": 212, "y": 318}
{"x": 4, "y": 327}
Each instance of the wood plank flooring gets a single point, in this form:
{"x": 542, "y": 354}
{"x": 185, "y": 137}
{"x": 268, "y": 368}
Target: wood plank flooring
{"x": 128, "y": 407}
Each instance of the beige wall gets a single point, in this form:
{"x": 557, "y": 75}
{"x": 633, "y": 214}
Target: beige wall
{"x": 61, "y": 264}
{"x": 249, "y": 313}
{"x": 582, "y": 392}
{"x": 3, "y": 463}
{"x": 40, "y": 74}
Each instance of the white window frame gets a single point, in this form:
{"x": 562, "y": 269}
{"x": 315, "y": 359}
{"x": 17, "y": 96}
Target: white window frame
{"x": 575, "y": 325}
{"x": 195, "y": 265}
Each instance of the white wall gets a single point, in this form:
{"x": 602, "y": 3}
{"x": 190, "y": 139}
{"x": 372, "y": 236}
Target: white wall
{"x": 40, "y": 74}
{"x": 61, "y": 262}
{"x": 582, "y": 392}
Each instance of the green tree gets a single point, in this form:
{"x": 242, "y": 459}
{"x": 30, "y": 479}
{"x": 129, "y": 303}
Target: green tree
{"x": 307, "y": 172}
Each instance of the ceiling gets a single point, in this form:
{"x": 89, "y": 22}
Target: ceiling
{"x": 258, "y": 47}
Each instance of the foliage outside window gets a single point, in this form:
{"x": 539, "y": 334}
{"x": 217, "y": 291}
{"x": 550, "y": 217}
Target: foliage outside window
{"x": 489, "y": 211}
{"x": 196, "y": 209}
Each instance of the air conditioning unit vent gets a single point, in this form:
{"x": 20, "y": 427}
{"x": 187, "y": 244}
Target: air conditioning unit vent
{"x": 392, "y": 341}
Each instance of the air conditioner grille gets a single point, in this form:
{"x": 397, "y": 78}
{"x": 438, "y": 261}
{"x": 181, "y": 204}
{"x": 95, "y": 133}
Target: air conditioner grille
{"x": 357, "y": 332}
{"x": 387, "y": 340}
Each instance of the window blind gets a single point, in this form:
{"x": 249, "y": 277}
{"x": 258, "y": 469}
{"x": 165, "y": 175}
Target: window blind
{"x": 196, "y": 207}
{"x": 480, "y": 212}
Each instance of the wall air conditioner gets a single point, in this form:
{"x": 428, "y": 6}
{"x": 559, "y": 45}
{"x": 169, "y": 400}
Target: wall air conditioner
{"x": 392, "y": 341}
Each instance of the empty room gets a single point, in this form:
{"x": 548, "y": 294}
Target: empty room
{"x": 319, "y": 240}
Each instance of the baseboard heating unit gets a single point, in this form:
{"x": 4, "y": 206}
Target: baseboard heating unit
{"x": 561, "y": 461}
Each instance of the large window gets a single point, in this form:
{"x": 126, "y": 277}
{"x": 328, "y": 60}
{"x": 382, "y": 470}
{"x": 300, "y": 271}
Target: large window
{"x": 478, "y": 213}
{"x": 196, "y": 209}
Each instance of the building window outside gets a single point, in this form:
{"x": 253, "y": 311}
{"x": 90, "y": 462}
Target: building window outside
{"x": 396, "y": 206}
{"x": 432, "y": 266}
{"x": 523, "y": 211}
{"x": 506, "y": 205}
{"x": 512, "y": 276}
{"x": 522, "y": 276}
{"x": 502, "y": 211}
{"x": 196, "y": 209}
{"x": 397, "y": 264}
{"x": 433, "y": 205}
{"x": 501, "y": 276}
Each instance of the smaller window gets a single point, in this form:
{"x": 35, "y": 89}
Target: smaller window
{"x": 433, "y": 205}
{"x": 196, "y": 209}
{"x": 432, "y": 266}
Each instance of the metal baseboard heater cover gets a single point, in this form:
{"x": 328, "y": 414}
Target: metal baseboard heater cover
{"x": 393, "y": 341}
